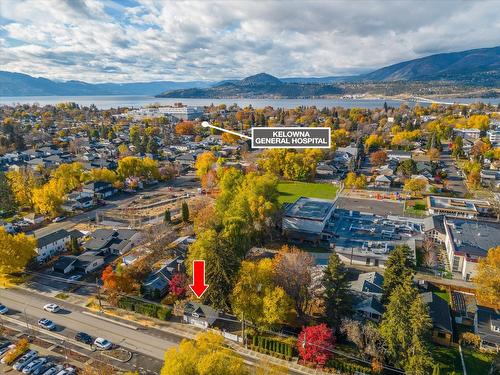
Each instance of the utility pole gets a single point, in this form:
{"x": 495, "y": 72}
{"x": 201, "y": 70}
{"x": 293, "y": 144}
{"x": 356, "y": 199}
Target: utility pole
{"x": 98, "y": 292}
{"x": 243, "y": 330}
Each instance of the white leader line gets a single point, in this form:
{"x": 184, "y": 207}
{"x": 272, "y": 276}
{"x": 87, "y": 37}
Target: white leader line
{"x": 206, "y": 124}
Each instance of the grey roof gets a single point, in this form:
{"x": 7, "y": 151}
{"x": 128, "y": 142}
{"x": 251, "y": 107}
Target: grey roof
{"x": 439, "y": 311}
{"x": 203, "y": 311}
{"x": 363, "y": 302}
{"x": 52, "y": 237}
{"x": 310, "y": 208}
{"x": 485, "y": 318}
{"x": 102, "y": 234}
{"x": 435, "y": 222}
{"x": 87, "y": 257}
{"x": 64, "y": 261}
{"x": 472, "y": 237}
{"x": 369, "y": 282}
{"x": 96, "y": 244}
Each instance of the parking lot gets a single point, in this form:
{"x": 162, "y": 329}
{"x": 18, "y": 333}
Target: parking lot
{"x": 374, "y": 206}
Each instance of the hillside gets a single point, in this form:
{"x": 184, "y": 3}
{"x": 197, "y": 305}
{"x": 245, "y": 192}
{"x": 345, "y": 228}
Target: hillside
{"x": 18, "y": 84}
{"x": 480, "y": 66}
{"x": 257, "y": 86}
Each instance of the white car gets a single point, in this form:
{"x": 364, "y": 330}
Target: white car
{"x": 66, "y": 371}
{"x": 52, "y": 307}
{"x": 47, "y": 324}
{"x": 53, "y": 370}
{"x": 58, "y": 219}
{"x": 103, "y": 344}
{"x": 75, "y": 277}
{"x": 32, "y": 366}
{"x": 28, "y": 357}
{"x": 3, "y": 309}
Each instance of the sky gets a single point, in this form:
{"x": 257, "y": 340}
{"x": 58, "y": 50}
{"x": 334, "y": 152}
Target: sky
{"x": 147, "y": 40}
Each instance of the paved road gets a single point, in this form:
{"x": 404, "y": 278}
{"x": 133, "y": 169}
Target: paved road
{"x": 455, "y": 181}
{"x": 149, "y": 342}
{"x": 71, "y": 320}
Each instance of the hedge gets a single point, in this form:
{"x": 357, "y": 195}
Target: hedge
{"x": 272, "y": 346}
{"x": 348, "y": 368}
{"x": 149, "y": 309}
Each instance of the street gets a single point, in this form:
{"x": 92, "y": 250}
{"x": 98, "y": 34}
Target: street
{"x": 455, "y": 181}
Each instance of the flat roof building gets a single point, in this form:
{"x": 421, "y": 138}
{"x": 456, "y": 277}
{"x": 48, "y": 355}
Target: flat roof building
{"x": 466, "y": 208}
{"x": 467, "y": 241}
{"x": 307, "y": 218}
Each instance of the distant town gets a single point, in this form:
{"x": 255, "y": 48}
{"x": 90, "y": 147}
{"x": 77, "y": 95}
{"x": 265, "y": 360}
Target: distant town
{"x": 378, "y": 255}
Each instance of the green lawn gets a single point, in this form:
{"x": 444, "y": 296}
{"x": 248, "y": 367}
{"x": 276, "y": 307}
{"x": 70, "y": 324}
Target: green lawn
{"x": 448, "y": 359}
{"x": 444, "y": 295}
{"x": 477, "y": 362}
{"x": 291, "y": 190}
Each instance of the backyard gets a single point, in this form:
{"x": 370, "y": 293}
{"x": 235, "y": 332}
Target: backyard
{"x": 289, "y": 191}
{"x": 449, "y": 360}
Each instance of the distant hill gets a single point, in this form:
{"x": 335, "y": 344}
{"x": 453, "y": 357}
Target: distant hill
{"x": 477, "y": 67}
{"x": 18, "y": 84}
{"x": 256, "y": 86}
{"x": 480, "y": 66}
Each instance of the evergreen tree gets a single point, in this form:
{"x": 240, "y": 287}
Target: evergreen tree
{"x": 385, "y": 107}
{"x": 7, "y": 199}
{"x": 406, "y": 327}
{"x": 337, "y": 294}
{"x": 167, "y": 218}
{"x": 185, "y": 212}
{"x": 397, "y": 268}
{"x": 152, "y": 146}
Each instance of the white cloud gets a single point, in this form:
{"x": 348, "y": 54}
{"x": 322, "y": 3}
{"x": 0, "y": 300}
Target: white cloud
{"x": 104, "y": 40}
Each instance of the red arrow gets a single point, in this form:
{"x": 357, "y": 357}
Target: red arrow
{"x": 198, "y": 286}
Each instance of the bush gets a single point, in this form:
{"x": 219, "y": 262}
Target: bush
{"x": 164, "y": 313}
{"x": 470, "y": 339}
{"x": 273, "y": 346}
{"x": 149, "y": 309}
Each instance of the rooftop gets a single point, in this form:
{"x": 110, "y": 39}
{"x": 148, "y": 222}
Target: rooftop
{"x": 473, "y": 238}
{"x": 457, "y": 204}
{"x": 310, "y": 208}
{"x": 52, "y": 237}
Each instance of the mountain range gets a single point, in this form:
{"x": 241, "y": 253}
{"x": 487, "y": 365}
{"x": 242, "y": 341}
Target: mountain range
{"x": 477, "y": 67}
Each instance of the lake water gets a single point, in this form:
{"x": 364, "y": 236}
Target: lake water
{"x": 114, "y": 101}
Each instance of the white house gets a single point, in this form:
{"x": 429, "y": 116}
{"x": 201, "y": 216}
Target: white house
{"x": 51, "y": 244}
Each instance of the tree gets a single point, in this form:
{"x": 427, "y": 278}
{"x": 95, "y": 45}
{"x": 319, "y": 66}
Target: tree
{"x": 433, "y": 154}
{"x": 406, "y": 328}
{"x": 48, "y": 198}
{"x": 457, "y": 147}
{"x": 292, "y": 269}
{"x": 398, "y": 267}
{"x": 257, "y": 298}
{"x": 15, "y": 251}
{"x": 415, "y": 186}
{"x": 229, "y": 138}
{"x": 177, "y": 285}
{"x": 185, "y": 212}
{"x": 205, "y": 162}
{"x": 22, "y": 183}
{"x": 378, "y": 158}
{"x": 407, "y": 167}
{"x": 167, "y": 216}
{"x": 185, "y": 128}
{"x": 373, "y": 142}
{"x": 7, "y": 199}
{"x": 488, "y": 278}
{"x": 206, "y": 355}
{"x": 366, "y": 336}
{"x": 337, "y": 291}
{"x": 315, "y": 344}
{"x": 352, "y": 180}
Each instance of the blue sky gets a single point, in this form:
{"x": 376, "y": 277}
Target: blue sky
{"x": 142, "y": 40}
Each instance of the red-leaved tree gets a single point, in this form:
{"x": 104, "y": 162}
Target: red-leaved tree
{"x": 314, "y": 344}
{"x": 108, "y": 277}
{"x": 178, "y": 284}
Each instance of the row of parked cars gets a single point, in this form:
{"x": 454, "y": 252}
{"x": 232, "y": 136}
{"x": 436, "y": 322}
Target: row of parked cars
{"x": 30, "y": 363}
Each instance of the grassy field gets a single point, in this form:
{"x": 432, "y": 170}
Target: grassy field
{"x": 448, "y": 358}
{"x": 291, "y": 190}
{"x": 477, "y": 362}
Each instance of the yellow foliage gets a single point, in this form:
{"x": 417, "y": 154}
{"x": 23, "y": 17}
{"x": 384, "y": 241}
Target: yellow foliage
{"x": 488, "y": 278}
{"x": 48, "y": 198}
{"x": 204, "y": 163}
{"x": 16, "y": 250}
{"x": 21, "y": 183}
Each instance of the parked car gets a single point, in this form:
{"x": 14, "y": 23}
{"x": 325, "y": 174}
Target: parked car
{"x": 43, "y": 368}
{"x": 84, "y": 337}
{"x": 102, "y": 343}
{"x": 52, "y": 307}
{"x": 33, "y": 365}
{"x": 75, "y": 277}
{"x": 47, "y": 324}
{"x": 3, "y": 309}
{"x": 59, "y": 219}
{"x": 53, "y": 370}
{"x": 25, "y": 359}
{"x": 5, "y": 344}
{"x": 4, "y": 350}
{"x": 66, "y": 371}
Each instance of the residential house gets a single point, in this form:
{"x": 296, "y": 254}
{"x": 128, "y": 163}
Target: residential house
{"x": 53, "y": 243}
{"x": 367, "y": 291}
{"x": 398, "y": 155}
{"x": 156, "y": 284}
{"x": 98, "y": 189}
{"x": 346, "y": 158}
{"x": 199, "y": 315}
{"x": 439, "y": 311}
{"x": 472, "y": 134}
{"x": 488, "y": 328}
{"x": 464, "y": 308}
{"x": 34, "y": 219}
{"x": 490, "y": 178}
{"x": 383, "y": 181}
{"x": 434, "y": 228}
{"x": 88, "y": 262}
{"x": 64, "y": 264}
{"x": 110, "y": 241}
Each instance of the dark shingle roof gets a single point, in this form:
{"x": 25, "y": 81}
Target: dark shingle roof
{"x": 51, "y": 237}
{"x": 485, "y": 317}
{"x": 439, "y": 311}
